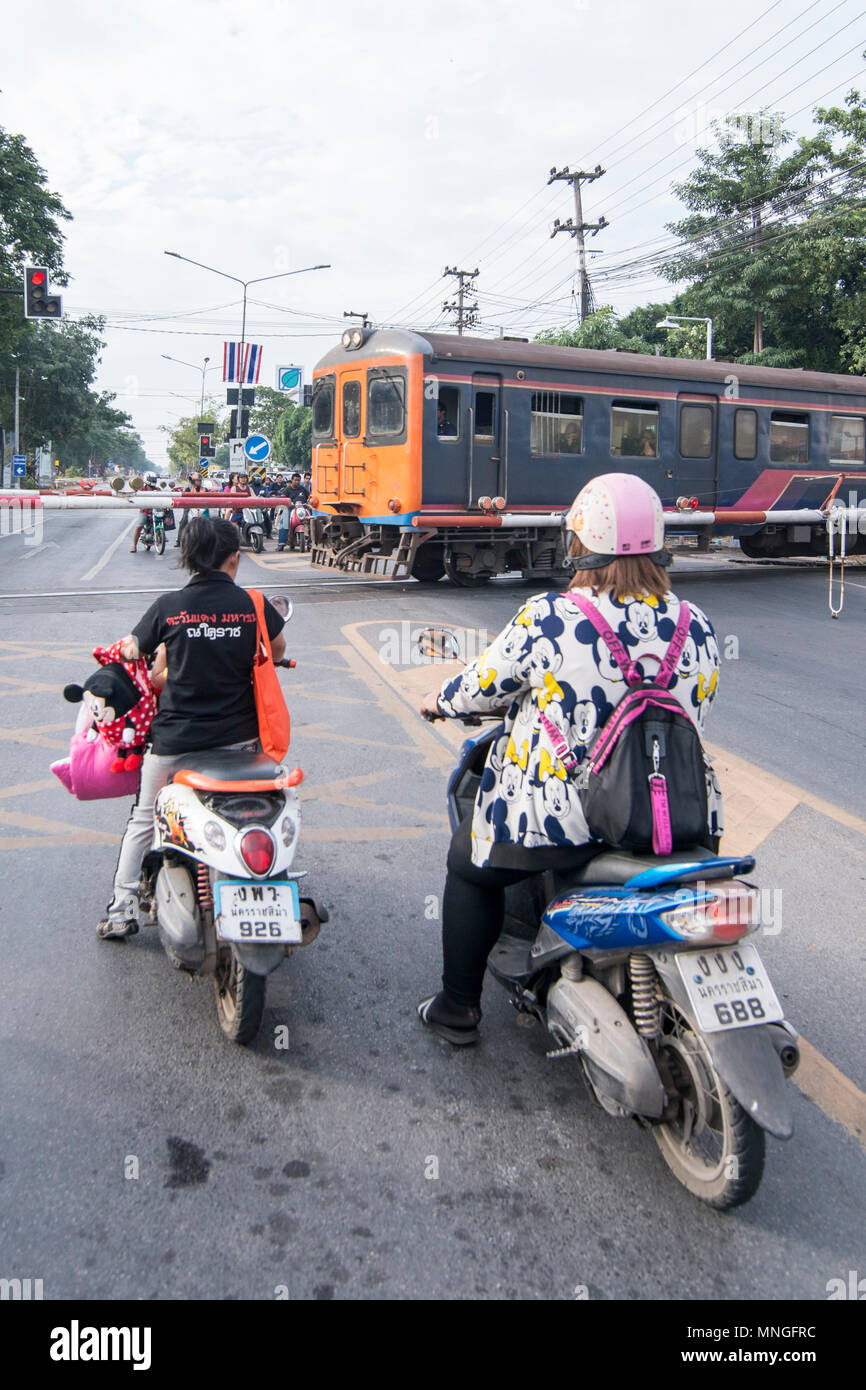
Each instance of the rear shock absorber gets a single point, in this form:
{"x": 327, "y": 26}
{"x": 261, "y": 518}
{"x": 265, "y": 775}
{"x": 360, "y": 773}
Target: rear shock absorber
{"x": 203, "y": 885}
{"x": 647, "y": 1015}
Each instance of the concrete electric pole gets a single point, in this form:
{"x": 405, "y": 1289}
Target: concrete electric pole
{"x": 466, "y": 313}
{"x": 576, "y": 227}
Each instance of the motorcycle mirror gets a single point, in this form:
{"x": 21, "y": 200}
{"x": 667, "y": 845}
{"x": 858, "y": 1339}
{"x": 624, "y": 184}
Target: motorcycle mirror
{"x": 438, "y": 644}
{"x": 283, "y": 605}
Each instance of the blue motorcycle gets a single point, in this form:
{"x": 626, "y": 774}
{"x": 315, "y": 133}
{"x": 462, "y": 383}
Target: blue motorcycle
{"x": 640, "y": 968}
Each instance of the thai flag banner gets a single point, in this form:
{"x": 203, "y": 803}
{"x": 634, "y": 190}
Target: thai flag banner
{"x": 231, "y": 358}
{"x": 252, "y": 363}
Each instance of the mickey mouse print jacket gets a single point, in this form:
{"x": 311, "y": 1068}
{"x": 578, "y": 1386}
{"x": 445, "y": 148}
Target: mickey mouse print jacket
{"x": 550, "y": 659}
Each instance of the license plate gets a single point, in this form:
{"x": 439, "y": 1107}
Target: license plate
{"x": 728, "y": 987}
{"x": 262, "y": 913}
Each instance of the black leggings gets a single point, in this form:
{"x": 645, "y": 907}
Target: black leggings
{"x": 473, "y": 908}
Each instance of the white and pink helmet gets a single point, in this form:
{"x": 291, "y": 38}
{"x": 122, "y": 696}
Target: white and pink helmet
{"x": 618, "y": 514}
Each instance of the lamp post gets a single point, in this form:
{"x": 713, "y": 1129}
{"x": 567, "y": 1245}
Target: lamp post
{"x": 245, "y": 283}
{"x": 677, "y": 321}
{"x": 202, "y": 369}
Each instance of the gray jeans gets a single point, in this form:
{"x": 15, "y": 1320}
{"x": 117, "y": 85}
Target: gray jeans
{"x": 138, "y": 838}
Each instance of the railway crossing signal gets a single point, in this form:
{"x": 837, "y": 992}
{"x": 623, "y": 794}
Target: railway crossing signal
{"x": 39, "y": 303}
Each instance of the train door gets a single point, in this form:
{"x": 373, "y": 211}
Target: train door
{"x": 697, "y": 448}
{"x": 350, "y": 433}
{"x": 325, "y": 449}
{"x": 485, "y": 453}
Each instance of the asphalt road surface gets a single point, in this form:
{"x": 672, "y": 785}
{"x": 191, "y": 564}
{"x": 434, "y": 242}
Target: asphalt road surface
{"x": 143, "y": 1156}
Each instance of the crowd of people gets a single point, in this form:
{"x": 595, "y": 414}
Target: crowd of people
{"x": 295, "y": 487}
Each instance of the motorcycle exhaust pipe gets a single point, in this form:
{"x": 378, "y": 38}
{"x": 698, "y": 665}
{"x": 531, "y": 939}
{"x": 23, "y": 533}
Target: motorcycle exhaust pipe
{"x": 784, "y": 1040}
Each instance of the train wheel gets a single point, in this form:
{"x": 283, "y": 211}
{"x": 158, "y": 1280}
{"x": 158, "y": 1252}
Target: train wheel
{"x": 428, "y": 566}
{"x": 466, "y": 579}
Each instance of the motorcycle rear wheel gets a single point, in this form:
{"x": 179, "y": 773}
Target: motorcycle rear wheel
{"x": 240, "y": 999}
{"x": 712, "y": 1146}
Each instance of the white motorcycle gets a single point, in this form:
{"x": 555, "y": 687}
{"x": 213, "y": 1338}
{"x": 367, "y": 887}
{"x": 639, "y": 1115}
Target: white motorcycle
{"x": 219, "y": 882}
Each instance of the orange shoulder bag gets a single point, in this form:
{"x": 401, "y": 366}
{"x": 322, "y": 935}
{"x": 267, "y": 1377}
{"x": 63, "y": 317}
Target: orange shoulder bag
{"x": 275, "y": 729}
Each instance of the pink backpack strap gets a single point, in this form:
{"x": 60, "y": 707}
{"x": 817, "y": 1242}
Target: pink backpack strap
{"x": 618, "y": 651}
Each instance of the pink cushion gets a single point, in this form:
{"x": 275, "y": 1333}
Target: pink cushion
{"x": 86, "y": 772}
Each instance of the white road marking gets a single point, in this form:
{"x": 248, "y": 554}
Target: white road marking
{"x": 91, "y": 574}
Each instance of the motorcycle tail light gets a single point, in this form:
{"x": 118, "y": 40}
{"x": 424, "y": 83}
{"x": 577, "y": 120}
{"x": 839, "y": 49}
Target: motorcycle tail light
{"x": 724, "y": 914}
{"x": 257, "y": 851}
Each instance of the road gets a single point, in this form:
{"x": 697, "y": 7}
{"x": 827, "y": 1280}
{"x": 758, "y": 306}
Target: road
{"x": 142, "y": 1156}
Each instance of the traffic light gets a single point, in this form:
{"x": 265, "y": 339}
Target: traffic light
{"x": 206, "y": 446}
{"x": 39, "y": 303}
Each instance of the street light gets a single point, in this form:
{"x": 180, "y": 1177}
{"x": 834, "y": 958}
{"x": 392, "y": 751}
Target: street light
{"x": 246, "y": 283}
{"x": 677, "y": 321}
{"x": 202, "y": 369}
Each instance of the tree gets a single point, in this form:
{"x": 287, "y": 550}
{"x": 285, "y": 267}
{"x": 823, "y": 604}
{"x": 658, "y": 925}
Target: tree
{"x": 268, "y": 410}
{"x": 57, "y": 363}
{"x": 292, "y": 440}
{"x": 29, "y": 231}
{"x": 600, "y": 331}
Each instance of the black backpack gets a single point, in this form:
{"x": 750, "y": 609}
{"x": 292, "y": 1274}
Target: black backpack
{"x": 642, "y": 783}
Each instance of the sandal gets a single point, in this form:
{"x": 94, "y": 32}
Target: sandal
{"x": 460, "y": 1035}
{"x": 110, "y": 929}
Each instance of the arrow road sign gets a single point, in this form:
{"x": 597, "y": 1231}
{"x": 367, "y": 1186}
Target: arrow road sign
{"x": 257, "y": 448}
{"x": 19, "y": 466}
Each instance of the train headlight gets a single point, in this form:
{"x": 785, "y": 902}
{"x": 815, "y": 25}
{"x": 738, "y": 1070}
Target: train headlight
{"x": 347, "y": 338}
{"x": 352, "y": 338}
{"x": 499, "y": 504}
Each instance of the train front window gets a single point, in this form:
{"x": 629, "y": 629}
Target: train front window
{"x": 323, "y": 408}
{"x": 351, "y": 409}
{"x": 789, "y": 437}
{"x": 556, "y": 423}
{"x": 847, "y": 439}
{"x": 745, "y": 434}
{"x": 696, "y": 431}
{"x": 634, "y": 430}
{"x": 386, "y": 408}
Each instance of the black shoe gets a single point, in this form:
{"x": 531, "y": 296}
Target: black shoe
{"x": 457, "y": 1023}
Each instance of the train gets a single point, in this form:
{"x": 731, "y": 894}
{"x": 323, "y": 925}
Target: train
{"x": 440, "y": 454}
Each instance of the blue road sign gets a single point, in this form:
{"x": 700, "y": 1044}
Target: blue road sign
{"x": 257, "y": 448}
{"x": 203, "y": 463}
{"x": 19, "y": 466}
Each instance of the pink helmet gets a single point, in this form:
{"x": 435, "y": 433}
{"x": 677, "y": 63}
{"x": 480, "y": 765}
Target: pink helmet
{"x": 618, "y": 514}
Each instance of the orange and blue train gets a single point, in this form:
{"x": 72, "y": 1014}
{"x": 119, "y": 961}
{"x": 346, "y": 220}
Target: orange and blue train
{"x": 442, "y": 454}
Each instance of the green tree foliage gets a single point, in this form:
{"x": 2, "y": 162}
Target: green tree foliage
{"x": 29, "y": 230}
{"x": 601, "y": 331}
{"x": 292, "y": 438}
{"x": 183, "y": 445}
{"x": 268, "y": 410}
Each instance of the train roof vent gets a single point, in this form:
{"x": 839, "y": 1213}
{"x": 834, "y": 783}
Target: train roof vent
{"x": 505, "y": 339}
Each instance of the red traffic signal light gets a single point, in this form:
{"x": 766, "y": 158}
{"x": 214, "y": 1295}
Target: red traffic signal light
{"x": 206, "y": 446}
{"x": 38, "y": 303}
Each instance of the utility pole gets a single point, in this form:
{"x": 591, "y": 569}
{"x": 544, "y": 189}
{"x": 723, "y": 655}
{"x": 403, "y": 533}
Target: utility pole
{"x": 17, "y": 407}
{"x": 758, "y": 337}
{"x": 576, "y": 227}
{"x": 466, "y": 313}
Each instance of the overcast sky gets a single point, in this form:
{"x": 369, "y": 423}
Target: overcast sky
{"x": 387, "y": 140}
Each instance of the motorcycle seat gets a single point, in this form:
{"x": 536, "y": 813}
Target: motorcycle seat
{"x": 234, "y": 770}
{"x": 615, "y": 867}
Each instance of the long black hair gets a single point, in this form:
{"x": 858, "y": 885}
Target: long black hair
{"x": 206, "y": 545}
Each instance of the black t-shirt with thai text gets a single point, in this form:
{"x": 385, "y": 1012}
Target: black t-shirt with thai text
{"x": 209, "y": 631}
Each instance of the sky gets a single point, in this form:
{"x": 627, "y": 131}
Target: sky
{"x": 385, "y": 141}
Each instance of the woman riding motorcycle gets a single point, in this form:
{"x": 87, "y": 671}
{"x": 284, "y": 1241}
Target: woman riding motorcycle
{"x": 210, "y": 636}
{"x": 150, "y": 482}
{"x": 549, "y": 666}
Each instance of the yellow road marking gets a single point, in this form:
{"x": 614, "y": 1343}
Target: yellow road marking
{"x": 29, "y": 788}
{"x": 38, "y": 736}
{"x": 22, "y": 821}
{"x": 831, "y": 1090}
{"x": 361, "y": 834}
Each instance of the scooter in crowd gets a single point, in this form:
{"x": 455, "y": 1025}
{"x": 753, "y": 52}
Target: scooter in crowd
{"x": 219, "y": 883}
{"x": 299, "y": 535}
{"x": 252, "y": 528}
{"x": 639, "y": 968}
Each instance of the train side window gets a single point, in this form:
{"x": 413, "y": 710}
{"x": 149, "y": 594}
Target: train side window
{"x": 556, "y": 423}
{"x": 485, "y": 414}
{"x": 745, "y": 434}
{"x": 789, "y": 437}
{"x": 847, "y": 439}
{"x": 448, "y": 413}
{"x": 351, "y": 409}
{"x": 634, "y": 430}
{"x": 696, "y": 431}
{"x": 386, "y": 404}
{"x": 323, "y": 408}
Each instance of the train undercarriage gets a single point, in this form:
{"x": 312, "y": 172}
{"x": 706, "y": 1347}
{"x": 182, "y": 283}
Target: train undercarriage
{"x": 469, "y": 557}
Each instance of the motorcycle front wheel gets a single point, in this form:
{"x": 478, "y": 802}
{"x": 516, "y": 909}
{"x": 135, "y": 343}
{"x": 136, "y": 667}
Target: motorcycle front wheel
{"x": 240, "y": 999}
{"x": 257, "y": 541}
{"x": 710, "y": 1145}
{"x": 159, "y": 542}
